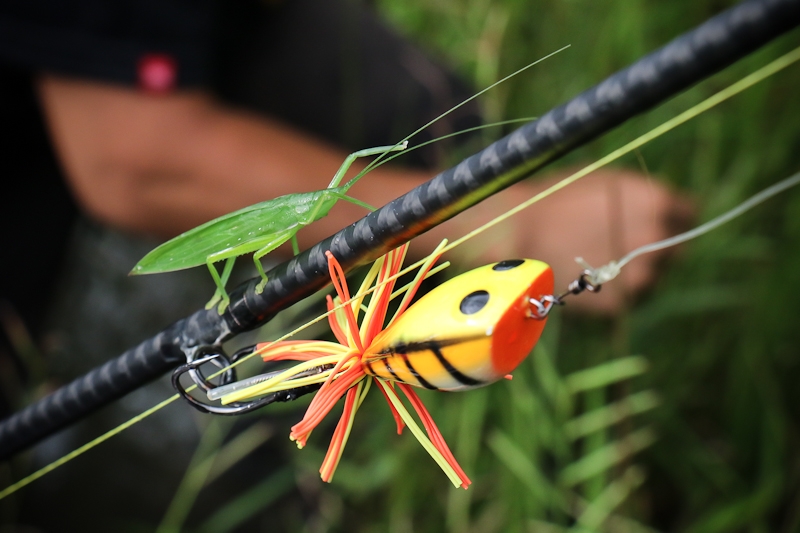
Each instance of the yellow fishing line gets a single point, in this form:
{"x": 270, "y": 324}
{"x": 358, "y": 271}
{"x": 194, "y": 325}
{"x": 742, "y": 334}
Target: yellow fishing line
{"x": 86, "y": 447}
{"x": 732, "y": 90}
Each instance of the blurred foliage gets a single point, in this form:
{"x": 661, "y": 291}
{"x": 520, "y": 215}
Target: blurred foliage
{"x": 698, "y": 433}
{"x": 718, "y": 330}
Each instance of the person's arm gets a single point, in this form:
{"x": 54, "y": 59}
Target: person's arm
{"x": 164, "y": 164}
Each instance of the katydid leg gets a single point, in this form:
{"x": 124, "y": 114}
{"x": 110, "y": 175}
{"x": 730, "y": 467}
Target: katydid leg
{"x": 230, "y": 255}
{"x": 337, "y": 178}
{"x": 352, "y": 200}
{"x": 276, "y": 241}
{"x": 226, "y": 274}
{"x": 220, "y": 293}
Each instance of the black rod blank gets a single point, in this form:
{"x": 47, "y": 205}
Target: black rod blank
{"x": 681, "y": 63}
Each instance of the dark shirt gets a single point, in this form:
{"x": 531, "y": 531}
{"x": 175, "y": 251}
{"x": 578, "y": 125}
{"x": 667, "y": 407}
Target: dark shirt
{"x": 107, "y": 40}
{"x": 127, "y": 42}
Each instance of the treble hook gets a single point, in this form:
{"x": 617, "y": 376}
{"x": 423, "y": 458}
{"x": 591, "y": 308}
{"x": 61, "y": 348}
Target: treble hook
{"x": 215, "y": 356}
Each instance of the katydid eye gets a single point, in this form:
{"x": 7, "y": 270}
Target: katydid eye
{"x": 508, "y": 264}
{"x": 474, "y": 302}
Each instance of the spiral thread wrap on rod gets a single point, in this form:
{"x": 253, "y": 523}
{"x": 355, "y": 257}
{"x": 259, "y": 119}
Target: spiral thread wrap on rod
{"x": 681, "y": 63}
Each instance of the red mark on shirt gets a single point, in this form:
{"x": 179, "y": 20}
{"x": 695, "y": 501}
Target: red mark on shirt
{"x": 158, "y": 73}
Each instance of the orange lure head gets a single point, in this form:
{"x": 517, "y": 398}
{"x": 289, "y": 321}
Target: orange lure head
{"x": 468, "y": 332}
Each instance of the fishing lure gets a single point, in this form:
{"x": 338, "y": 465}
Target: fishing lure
{"x": 468, "y": 332}
{"x": 259, "y": 228}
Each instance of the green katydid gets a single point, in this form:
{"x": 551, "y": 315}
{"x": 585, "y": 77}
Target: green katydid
{"x": 262, "y": 227}
{"x": 259, "y": 228}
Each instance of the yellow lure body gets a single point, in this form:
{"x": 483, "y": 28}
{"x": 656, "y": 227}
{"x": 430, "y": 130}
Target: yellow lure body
{"x": 468, "y": 332}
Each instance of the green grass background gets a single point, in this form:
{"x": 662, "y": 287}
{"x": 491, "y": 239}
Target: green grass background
{"x": 681, "y": 414}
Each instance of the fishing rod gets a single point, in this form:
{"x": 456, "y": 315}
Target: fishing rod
{"x": 681, "y": 63}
